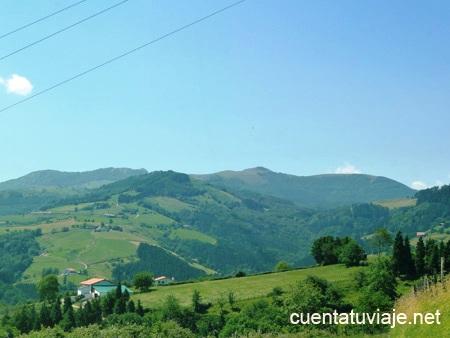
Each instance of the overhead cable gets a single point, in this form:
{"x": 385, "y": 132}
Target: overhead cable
{"x": 123, "y": 55}
{"x": 62, "y": 30}
{"x": 41, "y": 19}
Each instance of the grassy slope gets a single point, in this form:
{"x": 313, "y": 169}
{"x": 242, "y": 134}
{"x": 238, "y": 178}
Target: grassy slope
{"x": 77, "y": 247}
{"x": 250, "y": 287}
{"x": 398, "y": 203}
{"x": 425, "y": 302}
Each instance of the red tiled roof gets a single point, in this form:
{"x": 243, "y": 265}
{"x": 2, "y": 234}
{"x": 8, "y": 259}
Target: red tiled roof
{"x": 92, "y": 281}
{"x": 160, "y": 278}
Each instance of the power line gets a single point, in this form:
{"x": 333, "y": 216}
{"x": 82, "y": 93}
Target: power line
{"x": 62, "y": 30}
{"x": 123, "y": 55}
{"x": 41, "y": 19}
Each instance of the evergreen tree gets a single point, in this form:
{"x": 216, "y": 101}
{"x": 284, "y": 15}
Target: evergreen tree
{"x": 139, "y": 309}
{"x": 68, "y": 321}
{"x": 435, "y": 261}
{"x": 82, "y": 315}
{"x": 22, "y": 321}
{"x": 409, "y": 262}
{"x": 67, "y": 303}
{"x": 55, "y": 312}
{"x": 196, "y": 301}
{"x": 447, "y": 256}
{"x": 108, "y": 303}
{"x": 45, "y": 319}
{"x": 420, "y": 257}
{"x": 131, "y": 307}
{"x": 398, "y": 250}
{"x": 96, "y": 311}
{"x": 119, "y": 291}
{"x": 431, "y": 257}
{"x": 33, "y": 318}
{"x": 120, "y": 306}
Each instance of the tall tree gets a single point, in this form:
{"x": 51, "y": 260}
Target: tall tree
{"x": 420, "y": 257}
{"x": 196, "y": 301}
{"x": 409, "y": 262}
{"x": 48, "y": 288}
{"x": 55, "y": 312}
{"x": 398, "y": 250}
{"x": 381, "y": 239}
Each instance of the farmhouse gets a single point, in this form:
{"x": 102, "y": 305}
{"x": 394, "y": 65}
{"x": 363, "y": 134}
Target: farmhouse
{"x": 421, "y": 234}
{"x": 163, "y": 280}
{"x": 69, "y": 271}
{"x": 98, "y": 287}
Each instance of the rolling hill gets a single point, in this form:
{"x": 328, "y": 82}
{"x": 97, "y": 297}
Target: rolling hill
{"x": 208, "y": 228}
{"x": 319, "y": 191}
{"x": 54, "y": 178}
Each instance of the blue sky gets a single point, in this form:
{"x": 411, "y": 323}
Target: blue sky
{"x": 300, "y": 87}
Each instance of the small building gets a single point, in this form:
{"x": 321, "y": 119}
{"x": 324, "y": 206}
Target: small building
{"x": 98, "y": 287}
{"x": 421, "y": 234}
{"x": 69, "y": 271}
{"x": 163, "y": 280}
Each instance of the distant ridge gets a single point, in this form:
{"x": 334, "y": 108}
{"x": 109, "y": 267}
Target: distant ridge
{"x": 86, "y": 179}
{"x": 318, "y": 191}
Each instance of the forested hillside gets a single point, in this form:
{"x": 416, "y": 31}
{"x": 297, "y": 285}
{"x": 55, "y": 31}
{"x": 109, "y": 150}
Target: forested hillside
{"x": 216, "y": 230}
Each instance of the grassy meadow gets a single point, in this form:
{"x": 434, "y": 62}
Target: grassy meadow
{"x": 250, "y": 287}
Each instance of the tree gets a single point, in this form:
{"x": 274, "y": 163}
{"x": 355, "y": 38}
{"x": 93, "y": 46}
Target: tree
{"x": 231, "y": 299}
{"x": 305, "y": 297}
{"x": 48, "y": 288}
{"x": 352, "y": 254}
{"x": 381, "y": 239}
{"x": 409, "y": 262}
{"x": 381, "y": 277}
{"x": 398, "y": 251}
{"x": 323, "y": 250}
{"x": 420, "y": 257}
{"x": 143, "y": 281}
{"x": 55, "y": 312}
{"x": 196, "y": 301}
{"x": 68, "y": 321}
{"x": 171, "y": 309}
{"x": 282, "y": 266}
{"x": 67, "y": 303}
{"x": 44, "y": 316}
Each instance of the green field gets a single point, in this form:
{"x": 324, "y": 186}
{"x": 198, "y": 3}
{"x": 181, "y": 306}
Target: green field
{"x": 250, "y": 287}
{"x": 398, "y": 203}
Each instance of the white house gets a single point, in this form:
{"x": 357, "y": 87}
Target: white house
{"x": 163, "y": 280}
{"x": 98, "y": 287}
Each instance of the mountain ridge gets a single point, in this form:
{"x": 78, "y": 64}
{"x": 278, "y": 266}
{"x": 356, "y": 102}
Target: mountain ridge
{"x": 83, "y": 179}
{"x": 322, "y": 191}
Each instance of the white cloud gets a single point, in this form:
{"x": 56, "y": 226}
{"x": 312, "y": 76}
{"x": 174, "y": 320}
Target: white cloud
{"x": 418, "y": 185}
{"x": 17, "y": 84}
{"x": 347, "y": 168}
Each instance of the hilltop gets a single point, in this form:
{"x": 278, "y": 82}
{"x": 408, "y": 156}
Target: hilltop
{"x": 318, "y": 191}
{"x": 55, "y": 178}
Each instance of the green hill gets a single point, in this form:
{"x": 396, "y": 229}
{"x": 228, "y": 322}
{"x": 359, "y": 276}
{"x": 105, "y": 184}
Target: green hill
{"x": 318, "y": 191}
{"x": 54, "y": 178}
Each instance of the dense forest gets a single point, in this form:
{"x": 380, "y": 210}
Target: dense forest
{"x": 17, "y": 250}
{"x": 157, "y": 260}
